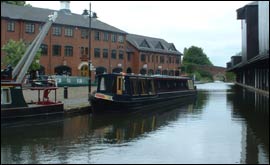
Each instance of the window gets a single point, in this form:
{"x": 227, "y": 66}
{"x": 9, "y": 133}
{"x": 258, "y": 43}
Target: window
{"x": 121, "y": 39}
{"x": 82, "y": 51}
{"x": 157, "y": 59}
{"x": 113, "y": 54}
{"x": 56, "y": 30}
{"x": 84, "y": 33}
{"x": 121, "y": 55}
{"x": 162, "y": 59}
{"x": 151, "y": 87}
{"x": 86, "y": 51}
{"x": 143, "y": 57}
{"x": 97, "y": 52}
{"x": 153, "y": 57}
{"x": 113, "y": 37}
{"x": 107, "y": 84}
{"x": 56, "y": 50}
{"x": 68, "y": 51}
{"x": 11, "y": 26}
{"x": 144, "y": 44}
{"x": 97, "y": 35}
{"x": 143, "y": 86}
{"x": 5, "y": 96}
{"x": 134, "y": 86}
{"x": 177, "y": 60}
{"x": 29, "y": 28}
{"x": 105, "y": 53}
{"x": 44, "y": 49}
{"x": 68, "y": 31}
{"x": 129, "y": 56}
{"x": 106, "y": 36}
{"x": 159, "y": 46}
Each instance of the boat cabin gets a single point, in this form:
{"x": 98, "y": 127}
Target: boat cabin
{"x": 126, "y": 86}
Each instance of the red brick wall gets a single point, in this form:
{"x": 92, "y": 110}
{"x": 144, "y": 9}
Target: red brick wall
{"x": 50, "y": 62}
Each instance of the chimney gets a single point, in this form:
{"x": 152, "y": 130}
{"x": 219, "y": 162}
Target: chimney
{"x": 64, "y": 6}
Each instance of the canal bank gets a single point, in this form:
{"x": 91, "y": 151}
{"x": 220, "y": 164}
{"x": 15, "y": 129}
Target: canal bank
{"x": 76, "y": 101}
{"x": 264, "y": 92}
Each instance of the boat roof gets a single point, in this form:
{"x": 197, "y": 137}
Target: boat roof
{"x": 145, "y": 76}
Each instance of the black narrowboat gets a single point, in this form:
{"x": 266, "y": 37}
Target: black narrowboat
{"x": 119, "y": 92}
{"x": 14, "y": 106}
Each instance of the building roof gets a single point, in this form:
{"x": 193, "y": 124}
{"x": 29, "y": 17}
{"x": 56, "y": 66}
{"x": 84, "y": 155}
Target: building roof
{"x": 144, "y": 43}
{"x": 28, "y": 13}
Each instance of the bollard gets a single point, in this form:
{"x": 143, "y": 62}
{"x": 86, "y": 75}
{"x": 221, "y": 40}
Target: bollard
{"x": 65, "y": 92}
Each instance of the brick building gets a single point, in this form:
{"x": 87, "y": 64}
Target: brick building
{"x": 65, "y": 48}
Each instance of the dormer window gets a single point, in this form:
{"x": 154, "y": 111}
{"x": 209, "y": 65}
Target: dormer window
{"x": 159, "y": 46}
{"x": 172, "y": 48}
{"x": 144, "y": 44}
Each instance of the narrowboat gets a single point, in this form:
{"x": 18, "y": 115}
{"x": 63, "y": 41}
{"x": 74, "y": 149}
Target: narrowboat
{"x": 119, "y": 92}
{"x": 14, "y": 106}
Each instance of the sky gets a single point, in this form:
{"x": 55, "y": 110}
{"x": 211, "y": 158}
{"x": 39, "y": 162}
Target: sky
{"x": 211, "y": 26}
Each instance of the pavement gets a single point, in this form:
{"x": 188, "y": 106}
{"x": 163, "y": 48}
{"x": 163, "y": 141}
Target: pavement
{"x": 76, "y": 101}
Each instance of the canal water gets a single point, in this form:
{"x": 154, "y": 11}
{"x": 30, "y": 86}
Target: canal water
{"x": 224, "y": 124}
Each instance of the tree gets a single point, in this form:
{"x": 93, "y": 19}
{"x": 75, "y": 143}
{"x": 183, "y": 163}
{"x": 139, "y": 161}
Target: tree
{"x": 19, "y": 3}
{"x": 14, "y": 51}
{"x": 195, "y": 55}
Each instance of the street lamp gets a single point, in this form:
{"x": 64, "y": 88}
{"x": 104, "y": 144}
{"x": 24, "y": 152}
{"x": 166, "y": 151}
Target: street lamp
{"x": 90, "y": 15}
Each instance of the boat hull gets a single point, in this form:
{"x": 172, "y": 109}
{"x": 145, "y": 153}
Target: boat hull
{"x": 32, "y": 111}
{"x": 164, "y": 100}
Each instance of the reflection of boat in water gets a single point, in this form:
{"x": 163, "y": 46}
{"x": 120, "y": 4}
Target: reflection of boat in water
{"x": 112, "y": 128}
{"x": 62, "y": 137}
{"x": 129, "y": 93}
{"x": 121, "y": 127}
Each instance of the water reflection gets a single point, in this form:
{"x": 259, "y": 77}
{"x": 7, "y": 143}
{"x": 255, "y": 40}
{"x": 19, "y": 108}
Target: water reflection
{"x": 252, "y": 108}
{"x": 225, "y": 124}
{"x": 57, "y": 140}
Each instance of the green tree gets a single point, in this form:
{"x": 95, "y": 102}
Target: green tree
{"x": 230, "y": 76}
{"x": 14, "y": 51}
{"x": 195, "y": 55}
{"x": 19, "y": 3}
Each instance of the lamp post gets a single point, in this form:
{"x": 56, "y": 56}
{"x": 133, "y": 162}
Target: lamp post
{"x": 90, "y": 15}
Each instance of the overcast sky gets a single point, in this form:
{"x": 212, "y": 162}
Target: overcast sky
{"x": 210, "y": 25}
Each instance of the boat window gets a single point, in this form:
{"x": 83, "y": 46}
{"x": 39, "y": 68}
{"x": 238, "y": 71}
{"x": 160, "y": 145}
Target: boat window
{"x": 5, "y": 96}
{"x": 134, "y": 86}
{"x": 143, "y": 86}
{"x": 190, "y": 84}
{"x": 106, "y": 84}
{"x": 151, "y": 87}
{"x": 102, "y": 84}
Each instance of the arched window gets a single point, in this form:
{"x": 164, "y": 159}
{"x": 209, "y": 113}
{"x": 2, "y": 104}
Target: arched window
{"x": 62, "y": 70}
{"x": 100, "y": 70}
{"x": 129, "y": 70}
{"x": 150, "y": 71}
{"x": 143, "y": 71}
{"x": 117, "y": 70}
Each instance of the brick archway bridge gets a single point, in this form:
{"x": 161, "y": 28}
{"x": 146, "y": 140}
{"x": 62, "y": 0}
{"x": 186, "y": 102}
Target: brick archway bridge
{"x": 217, "y": 71}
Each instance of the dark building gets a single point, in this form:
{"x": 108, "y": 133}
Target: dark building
{"x": 252, "y": 67}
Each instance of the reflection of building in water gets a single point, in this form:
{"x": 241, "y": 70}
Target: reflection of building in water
{"x": 254, "y": 109}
